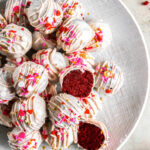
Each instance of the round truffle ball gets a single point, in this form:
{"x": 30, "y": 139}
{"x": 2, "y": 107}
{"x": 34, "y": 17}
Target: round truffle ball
{"x": 21, "y": 140}
{"x": 102, "y": 37}
{"x": 29, "y": 114}
{"x": 30, "y": 78}
{"x": 65, "y": 110}
{"x": 92, "y": 135}
{"x": 77, "y": 81}
{"x": 59, "y": 137}
{"x": 15, "y": 41}
{"x": 74, "y": 35}
{"x": 108, "y": 78}
{"x": 14, "y": 12}
{"x": 44, "y": 15}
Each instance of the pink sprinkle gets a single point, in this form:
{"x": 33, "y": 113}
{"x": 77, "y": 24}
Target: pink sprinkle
{"x": 14, "y": 39}
{"x": 42, "y": 22}
{"x": 23, "y": 105}
{"x": 42, "y": 62}
{"x": 62, "y": 120}
{"x": 8, "y": 41}
{"x": 62, "y": 72}
{"x": 22, "y": 135}
{"x": 43, "y": 45}
{"x": 25, "y": 147}
{"x": 97, "y": 68}
{"x": 71, "y": 27}
{"x": 16, "y": 9}
{"x": 21, "y": 113}
{"x": 21, "y": 120}
{"x": 72, "y": 120}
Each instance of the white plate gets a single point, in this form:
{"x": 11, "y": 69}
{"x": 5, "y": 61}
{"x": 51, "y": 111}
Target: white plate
{"x": 122, "y": 111}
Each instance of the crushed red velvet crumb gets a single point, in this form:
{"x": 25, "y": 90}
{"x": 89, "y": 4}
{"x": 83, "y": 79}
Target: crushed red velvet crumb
{"x": 78, "y": 83}
{"x": 90, "y": 137}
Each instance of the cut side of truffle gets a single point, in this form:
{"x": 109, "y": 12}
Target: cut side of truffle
{"x": 78, "y": 83}
{"x": 91, "y": 135}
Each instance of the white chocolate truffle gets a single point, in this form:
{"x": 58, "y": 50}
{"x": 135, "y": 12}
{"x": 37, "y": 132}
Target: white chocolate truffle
{"x": 92, "y": 104}
{"x": 65, "y": 110}
{"x": 77, "y": 81}
{"x": 42, "y": 42}
{"x": 29, "y": 114}
{"x": 3, "y": 22}
{"x": 21, "y": 140}
{"x": 108, "y": 78}
{"x": 90, "y": 131}
{"x": 15, "y": 41}
{"x": 49, "y": 92}
{"x": 30, "y": 78}
{"x": 14, "y": 12}
{"x": 59, "y": 137}
{"x": 5, "y": 118}
{"x": 53, "y": 61}
{"x": 71, "y": 8}
{"x": 7, "y": 92}
{"x": 81, "y": 58}
{"x": 73, "y": 35}
{"x": 44, "y": 15}
{"x": 102, "y": 37}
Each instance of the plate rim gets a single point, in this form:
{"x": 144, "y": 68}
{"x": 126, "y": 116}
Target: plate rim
{"x": 148, "y": 73}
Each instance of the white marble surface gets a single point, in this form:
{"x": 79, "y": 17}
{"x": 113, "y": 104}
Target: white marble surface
{"x": 140, "y": 139}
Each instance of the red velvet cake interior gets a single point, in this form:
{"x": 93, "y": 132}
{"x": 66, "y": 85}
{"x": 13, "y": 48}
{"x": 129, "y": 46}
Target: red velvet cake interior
{"x": 90, "y": 137}
{"x": 78, "y": 83}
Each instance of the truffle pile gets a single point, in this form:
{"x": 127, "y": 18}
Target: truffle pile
{"x": 51, "y": 89}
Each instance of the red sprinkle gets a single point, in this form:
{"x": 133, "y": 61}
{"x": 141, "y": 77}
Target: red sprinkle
{"x": 45, "y": 136}
{"x": 54, "y": 132}
{"x": 22, "y": 29}
{"x": 12, "y": 31}
{"x": 6, "y": 112}
{"x": 48, "y": 26}
{"x": 108, "y": 91}
{"x": 145, "y": 3}
{"x": 28, "y": 3}
{"x": 90, "y": 137}
{"x": 30, "y": 111}
{"x": 87, "y": 111}
{"x": 78, "y": 83}
{"x": 58, "y": 13}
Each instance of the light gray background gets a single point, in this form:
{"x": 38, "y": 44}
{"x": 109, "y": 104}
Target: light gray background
{"x": 140, "y": 140}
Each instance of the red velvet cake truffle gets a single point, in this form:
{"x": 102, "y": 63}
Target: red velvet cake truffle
{"x": 92, "y": 135}
{"x": 77, "y": 81}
